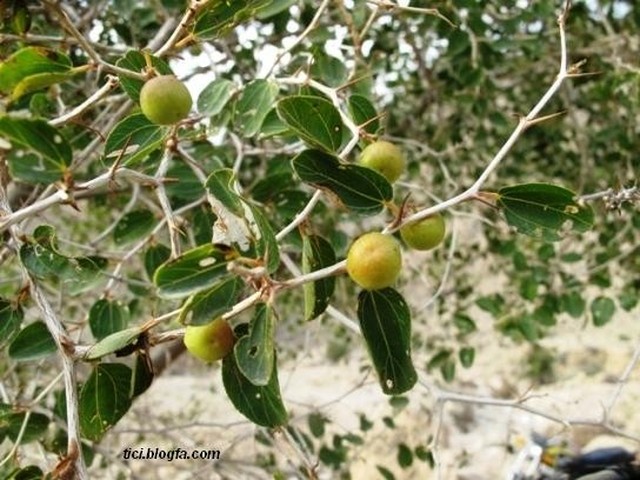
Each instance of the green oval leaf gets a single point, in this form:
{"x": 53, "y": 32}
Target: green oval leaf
{"x": 105, "y": 397}
{"x": 133, "y": 226}
{"x": 203, "y": 307}
{"x": 30, "y": 61}
{"x": 329, "y": 69}
{"x": 359, "y": 188}
{"x": 385, "y": 322}
{"x": 193, "y": 271}
{"x": 38, "y": 82}
{"x": 255, "y": 352}
{"x": 317, "y": 253}
{"x": 113, "y": 342}
{"x": 313, "y": 119}
{"x": 43, "y": 262}
{"x": 155, "y": 256}
{"x": 32, "y": 343}
{"x": 364, "y": 113}
{"x": 467, "y": 355}
{"x": 544, "y": 211}
{"x": 136, "y": 62}
{"x": 10, "y": 319}
{"x": 40, "y": 152}
{"x": 253, "y": 106}
{"x": 183, "y": 186}
{"x": 215, "y": 96}
{"x": 266, "y": 242}
{"x": 32, "y": 472}
{"x": 220, "y": 185}
{"x": 573, "y": 304}
{"x": 219, "y": 18}
{"x": 107, "y": 317}
{"x": 241, "y": 223}
{"x": 133, "y": 139}
{"x": 260, "y": 404}
{"x": 142, "y": 375}
{"x": 11, "y": 423}
{"x": 602, "y": 310}
{"x": 272, "y": 126}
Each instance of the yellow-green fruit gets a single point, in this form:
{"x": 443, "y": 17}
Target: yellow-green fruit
{"x": 425, "y": 234}
{"x": 385, "y": 158}
{"x": 165, "y": 100}
{"x": 374, "y": 261}
{"x": 209, "y": 342}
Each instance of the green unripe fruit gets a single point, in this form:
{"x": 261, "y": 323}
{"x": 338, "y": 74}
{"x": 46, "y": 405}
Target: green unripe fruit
{"x": 209, "y": 342}
{"x": 374, "y": 261}
{"x": 165, "y": 100}
{"x": 385, "y": 158}
{"x": 425, "y": 234}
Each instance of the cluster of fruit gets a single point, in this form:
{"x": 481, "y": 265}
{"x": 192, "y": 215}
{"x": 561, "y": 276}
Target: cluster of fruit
{"x": 374, "y": 260}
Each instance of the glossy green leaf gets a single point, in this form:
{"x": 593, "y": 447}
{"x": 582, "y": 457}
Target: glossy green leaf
{"x": 38, "y": 82}
{"x": 255, "y": 352}
{"x": 266, "y": 243}
{"x": 30, "y": 61}
{"x": 243, "y": 223}
{"x": 11, "y": 422}
{"x": 272, "y": 126}
{"x": 220, "y": 184}
{"x": 105, "y": 397}
{"x": 330, "y": 70}
{"x": 136, "y": 62}
{"x": 602, "y": 310}
{"x": 215, "y": 96}
{"x": 184, "y": 186}
{"x": 113, "y": 342}
{"x": 155, "y": 256}
{"x": 42, "y": 261}
{"x": 32, "y": 343}
{"x": 142, "y": 375}
{"x": 32, "y": 472}
{"x": 83, "y": 273}
{"x": 193, "y": 271}
{"x": 254, "y": 104}
{"x": 10, "y": 319}
{"x": 133, "y": 139}
{"x": 385, "y": 322}
{"x": 364, "y": 113}
{"x": 203, "y": 307}
{"x": 260, "y": 404}
{"x": 317, "y": 253}
{"x": 544, "y": 211}
{"x": 20, "y": 17}
{"x": 107, "y": 317}
{"x": 217, "y": 19}
{"x": 273, "y": 7}
{"x": 313, "y": 119}
{"x": 133, "y": 226}
{"x": 359, "y": 188}
{"x": 41, "y": 154}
